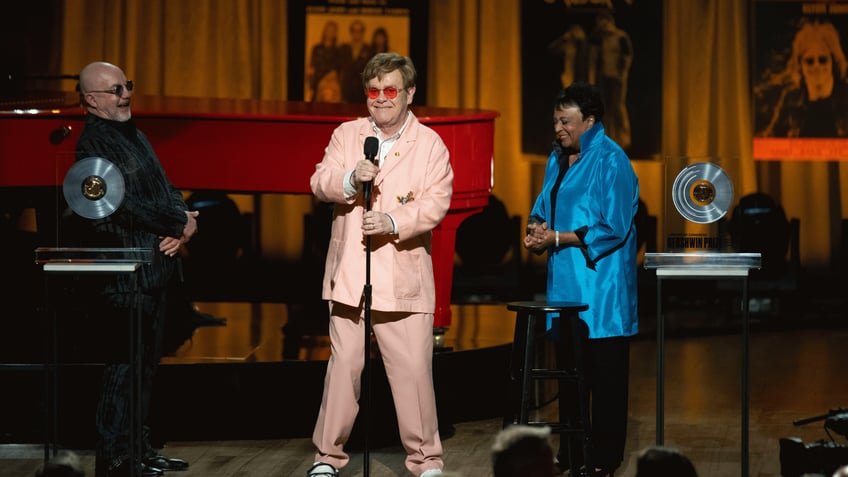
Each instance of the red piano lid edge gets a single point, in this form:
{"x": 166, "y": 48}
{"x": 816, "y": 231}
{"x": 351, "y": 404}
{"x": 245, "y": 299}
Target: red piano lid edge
{"x": 226, "y": 108}
{"x": 298, "y": 111}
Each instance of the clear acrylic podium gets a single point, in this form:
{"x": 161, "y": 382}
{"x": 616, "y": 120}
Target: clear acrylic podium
{"x": 703, "y": 266}
{"x": 83, "y": 261}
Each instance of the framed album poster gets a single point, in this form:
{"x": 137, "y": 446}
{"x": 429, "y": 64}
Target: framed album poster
{"x": 330, "y": 41}
{"x": 800, "y": 80}
{"x": 615, "y": 45}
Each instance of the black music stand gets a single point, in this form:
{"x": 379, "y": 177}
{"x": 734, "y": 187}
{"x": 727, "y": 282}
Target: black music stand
{"x": 85, "y": 261}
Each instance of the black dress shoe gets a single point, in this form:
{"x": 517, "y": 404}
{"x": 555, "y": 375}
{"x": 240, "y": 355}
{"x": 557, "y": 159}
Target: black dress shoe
{"x": 597, "y": 472}
{"x": 123, "y": 470}
{"x": 205, "y": 319}
{"x": 165, "y": 463}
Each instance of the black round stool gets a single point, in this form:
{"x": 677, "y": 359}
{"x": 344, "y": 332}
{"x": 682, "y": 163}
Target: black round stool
{"x": 574, "y": 334}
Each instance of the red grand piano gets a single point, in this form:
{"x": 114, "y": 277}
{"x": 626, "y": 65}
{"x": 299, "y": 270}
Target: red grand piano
{"x": 247, "y": 146}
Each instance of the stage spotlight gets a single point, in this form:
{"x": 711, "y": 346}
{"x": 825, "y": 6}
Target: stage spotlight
{"x": 484, "y": 239}
{"x": 759, "y": 225}
{"x": 220, "y": 227}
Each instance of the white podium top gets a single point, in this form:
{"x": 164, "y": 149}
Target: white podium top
{"x": 91, "y": 267}
{"x": 703, "y": 264}
{"x": 92, "y": 260}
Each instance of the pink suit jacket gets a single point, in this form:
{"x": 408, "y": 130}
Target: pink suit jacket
{"x": 414, "y": 186}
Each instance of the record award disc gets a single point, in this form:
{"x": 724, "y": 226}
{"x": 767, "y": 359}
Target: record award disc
{"x": 93, "y": 187}
{"x": 702, "y": 192}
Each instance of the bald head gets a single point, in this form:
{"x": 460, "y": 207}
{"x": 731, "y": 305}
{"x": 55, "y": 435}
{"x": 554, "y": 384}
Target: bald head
{"x": 99, "y": 84}
{"x": 95, "y": 74}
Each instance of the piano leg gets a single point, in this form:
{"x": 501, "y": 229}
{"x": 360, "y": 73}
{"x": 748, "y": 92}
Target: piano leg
{"x": 444, "y": 245}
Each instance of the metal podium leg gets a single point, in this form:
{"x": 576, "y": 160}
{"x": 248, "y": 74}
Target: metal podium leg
{"x": 745, "y": 381}
{"x": 53, "y": 370}
{"x": 51, "y": 379}
{"x": 660, "y": 367}
{"x": 135, "y": 418}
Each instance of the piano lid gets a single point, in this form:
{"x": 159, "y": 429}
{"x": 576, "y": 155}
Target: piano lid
{"x": 33, "y": 92}
{"x": 237, "y": 145}
{"x": 47, "y": 102}
{"x": 241, "y": 145}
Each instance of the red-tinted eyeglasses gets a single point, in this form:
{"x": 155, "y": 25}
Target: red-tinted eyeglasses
{"x": 390, "y": 92}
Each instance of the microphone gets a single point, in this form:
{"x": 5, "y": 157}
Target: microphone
{"x": 372, "y": 145}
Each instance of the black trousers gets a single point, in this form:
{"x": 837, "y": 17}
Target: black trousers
{"x": 607, "y": 364}
{"x": 113, "y": 408}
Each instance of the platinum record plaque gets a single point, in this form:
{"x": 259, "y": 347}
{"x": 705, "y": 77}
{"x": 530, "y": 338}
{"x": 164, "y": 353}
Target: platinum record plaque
{"x": 700, "y": 196}
{"x": 702, "y": 193}
{"x": 93, "y": 188}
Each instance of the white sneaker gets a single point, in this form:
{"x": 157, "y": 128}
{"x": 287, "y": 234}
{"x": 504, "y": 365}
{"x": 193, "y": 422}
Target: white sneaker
{"x": 431, "y": 472}
{"x": 322, "y": 469}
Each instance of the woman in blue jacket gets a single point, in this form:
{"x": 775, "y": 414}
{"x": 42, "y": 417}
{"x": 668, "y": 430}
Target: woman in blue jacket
{"x": 584, "y": 218}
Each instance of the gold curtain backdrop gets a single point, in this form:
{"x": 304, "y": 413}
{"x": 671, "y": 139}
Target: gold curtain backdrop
{"x": 706, "y": 108}
{"x": 239, "y": 49}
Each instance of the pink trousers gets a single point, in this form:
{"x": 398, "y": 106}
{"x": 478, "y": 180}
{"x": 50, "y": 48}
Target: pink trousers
{"x": 406, "y": 345}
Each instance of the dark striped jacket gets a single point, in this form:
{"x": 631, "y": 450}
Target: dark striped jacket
{"x": 151, "y": 208}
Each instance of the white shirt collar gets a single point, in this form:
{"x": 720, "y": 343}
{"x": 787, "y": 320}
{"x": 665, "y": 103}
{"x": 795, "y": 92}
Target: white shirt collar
{"x": 396, "y": 135}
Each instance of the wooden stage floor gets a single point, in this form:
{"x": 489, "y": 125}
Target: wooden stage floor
{"x": 795, "y": 372}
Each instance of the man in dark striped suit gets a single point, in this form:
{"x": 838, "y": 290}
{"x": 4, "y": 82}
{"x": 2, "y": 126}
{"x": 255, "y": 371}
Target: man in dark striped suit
{"x": 152, "y": 215}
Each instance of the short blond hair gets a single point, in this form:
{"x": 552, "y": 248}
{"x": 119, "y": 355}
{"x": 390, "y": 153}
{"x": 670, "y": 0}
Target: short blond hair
{"x": 382, "y": 64}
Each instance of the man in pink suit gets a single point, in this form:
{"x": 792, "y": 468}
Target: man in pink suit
{"x": 411, "y": 183}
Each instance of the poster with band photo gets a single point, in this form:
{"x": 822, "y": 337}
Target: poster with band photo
{"x": 333, "y": 40}
{"x": 615, "y": 45}
{"x": 800, "y": 80}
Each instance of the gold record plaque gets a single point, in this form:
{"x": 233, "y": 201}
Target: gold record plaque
{"x": 702, "y": 192}
{"x": 93, "y": 188}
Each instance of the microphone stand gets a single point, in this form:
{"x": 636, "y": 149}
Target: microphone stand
{"x": 366, "y": 372}
{"x": 370, "y": 148}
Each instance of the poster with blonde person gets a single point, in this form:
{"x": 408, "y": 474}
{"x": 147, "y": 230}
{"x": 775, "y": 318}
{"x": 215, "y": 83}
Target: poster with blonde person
{"x": 801, "y": 80}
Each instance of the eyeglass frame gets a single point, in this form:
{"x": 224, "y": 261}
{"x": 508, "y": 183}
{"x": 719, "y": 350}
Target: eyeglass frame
{"x": 117, "y": 90}
{"x": 382, "y": 91}
{"x": 819, "y": 59}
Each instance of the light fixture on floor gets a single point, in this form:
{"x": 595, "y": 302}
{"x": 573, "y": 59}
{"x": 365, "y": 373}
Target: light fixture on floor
{"x": 822, "y": 457}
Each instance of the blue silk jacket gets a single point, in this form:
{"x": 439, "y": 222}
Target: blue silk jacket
{"x": 598, "y": 197}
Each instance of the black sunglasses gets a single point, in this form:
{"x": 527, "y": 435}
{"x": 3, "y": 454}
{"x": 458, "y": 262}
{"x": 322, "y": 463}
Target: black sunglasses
{"x": 118, "y": 90}
{"x": 811, "y": 60}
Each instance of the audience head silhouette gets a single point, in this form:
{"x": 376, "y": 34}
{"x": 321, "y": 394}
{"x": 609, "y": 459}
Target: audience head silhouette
{"x": 523, "y": 451}
{"x": 661, "y": 461}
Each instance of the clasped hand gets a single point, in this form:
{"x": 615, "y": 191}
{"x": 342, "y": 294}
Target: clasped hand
{"x": 536, "y": 239}
{"x": 171, "y": 245}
